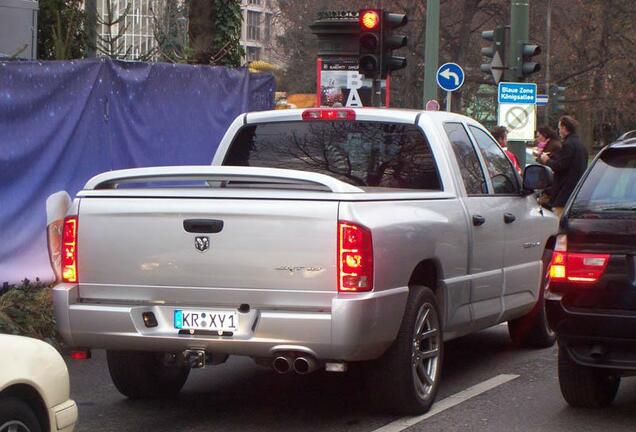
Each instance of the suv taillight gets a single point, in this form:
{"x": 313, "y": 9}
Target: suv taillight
{"x": 355, "y": 258}
{"x": 576, "y": 267}
{"x": 69, "y": 250}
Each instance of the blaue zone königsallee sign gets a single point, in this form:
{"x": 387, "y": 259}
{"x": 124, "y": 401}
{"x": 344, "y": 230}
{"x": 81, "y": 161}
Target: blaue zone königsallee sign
{"x": 517, "y": 93}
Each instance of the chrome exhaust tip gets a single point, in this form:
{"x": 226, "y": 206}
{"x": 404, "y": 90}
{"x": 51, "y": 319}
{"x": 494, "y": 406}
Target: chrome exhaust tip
{"x": 304, "y": 365}
{"x": 281, "y": 364}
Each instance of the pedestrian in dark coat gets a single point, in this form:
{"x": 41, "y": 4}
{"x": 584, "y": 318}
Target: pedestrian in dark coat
{"x": 548, "y": 142}
{"x": 568, "y": 164}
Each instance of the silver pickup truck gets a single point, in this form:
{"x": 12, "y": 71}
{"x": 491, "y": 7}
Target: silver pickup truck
{"x": 317, "y": 239}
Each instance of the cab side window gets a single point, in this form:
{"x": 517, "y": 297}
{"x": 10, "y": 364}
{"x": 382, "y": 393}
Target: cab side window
{"x": 472, "y": 174}
{"x": 500, "y": 170}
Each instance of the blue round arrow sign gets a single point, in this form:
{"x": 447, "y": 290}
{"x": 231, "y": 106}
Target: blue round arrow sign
{"x": 450, "y": 76}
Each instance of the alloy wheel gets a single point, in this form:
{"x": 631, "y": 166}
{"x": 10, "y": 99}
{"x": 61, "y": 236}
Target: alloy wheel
{"x": 14, "y": 426}
{"x": 425, "y": 350}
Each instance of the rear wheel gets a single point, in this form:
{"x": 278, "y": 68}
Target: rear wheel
{"x": 406, "y": 378}
{"x": 17, "y": 416}
{"x": 138, "y": 374}
{"x": 584, "y": 386}
{"x": 532, "y": 330}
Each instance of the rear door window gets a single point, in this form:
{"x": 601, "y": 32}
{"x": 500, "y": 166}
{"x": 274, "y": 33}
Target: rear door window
{"x": 374, "y": 154}
{"x": 610, "y": 187}
{"x": 466, "y": 155}
{"x": 502, "y": 173}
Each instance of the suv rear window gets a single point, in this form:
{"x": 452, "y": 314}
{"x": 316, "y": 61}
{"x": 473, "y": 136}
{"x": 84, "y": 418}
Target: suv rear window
{"x": 610, "y": 187}
{"x": 376, "y": 154}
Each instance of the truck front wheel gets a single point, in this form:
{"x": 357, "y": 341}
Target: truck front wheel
{"x": 138, "y": 374}
{"x": 532, "y": 330}
{"x": 406, "y": 378}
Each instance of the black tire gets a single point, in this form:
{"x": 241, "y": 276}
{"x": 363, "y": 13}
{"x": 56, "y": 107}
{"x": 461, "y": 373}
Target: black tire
{"x": 15, "y": 412}
{"x": 138, "y": 374}
{"x": 532, "y": 329}
{"x": 392, "y": 380}
{"x": 584, "y": 386}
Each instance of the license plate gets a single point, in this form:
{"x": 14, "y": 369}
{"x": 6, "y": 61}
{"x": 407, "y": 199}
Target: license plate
{"x": 212, "y": 320}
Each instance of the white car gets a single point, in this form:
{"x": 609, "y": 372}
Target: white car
{"x": 34, "y": 387}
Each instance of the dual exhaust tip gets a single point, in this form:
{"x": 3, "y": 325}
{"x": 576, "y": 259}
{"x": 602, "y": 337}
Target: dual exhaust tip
{"x": 301, "y": 365}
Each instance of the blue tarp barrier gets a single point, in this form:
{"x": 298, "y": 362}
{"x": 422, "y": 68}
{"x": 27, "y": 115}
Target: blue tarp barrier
{"x": 62, "y": 122}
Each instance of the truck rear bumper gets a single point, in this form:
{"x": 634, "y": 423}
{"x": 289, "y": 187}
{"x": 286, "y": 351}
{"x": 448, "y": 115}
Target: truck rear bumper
{"x": 358, "y": 327}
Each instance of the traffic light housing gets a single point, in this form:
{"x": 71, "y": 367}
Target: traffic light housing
{"x": 527, "y": 65}
{"x": 556, "y": 99}
{"x": 377, "y": 42}
{"x": 390, "y": 42}
{"x": 370, "y": 43}
{"x": 495, "y": 53}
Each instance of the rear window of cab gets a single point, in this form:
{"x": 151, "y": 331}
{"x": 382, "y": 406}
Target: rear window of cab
{"x": 371, "y": 154}
{"x": 610, "y": 187}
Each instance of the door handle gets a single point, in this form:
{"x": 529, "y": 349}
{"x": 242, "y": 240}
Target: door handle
{"x": 207, "y": 226}
{"x": 509, "y": 218}
{"x": 478, "y": 220}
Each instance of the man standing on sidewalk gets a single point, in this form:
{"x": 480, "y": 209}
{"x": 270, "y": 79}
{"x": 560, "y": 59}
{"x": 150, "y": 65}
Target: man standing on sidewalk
{"x": 568, "y": 165}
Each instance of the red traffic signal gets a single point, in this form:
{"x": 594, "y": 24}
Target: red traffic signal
{"x": 370, "y": 19}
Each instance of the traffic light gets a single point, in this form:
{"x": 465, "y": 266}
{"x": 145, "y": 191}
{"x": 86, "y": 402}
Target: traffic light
{"x": 377, "y": 42}
{"x": 495, "y": 53}
{"x": 370, "y": 58}
{"x": 556, "y": 98}
{"x": 390, "y": 42}
{"x": 528, "y": 66}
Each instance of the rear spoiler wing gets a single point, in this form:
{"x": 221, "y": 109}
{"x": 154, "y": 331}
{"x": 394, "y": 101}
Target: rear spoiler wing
{"x": 218, "y": 176}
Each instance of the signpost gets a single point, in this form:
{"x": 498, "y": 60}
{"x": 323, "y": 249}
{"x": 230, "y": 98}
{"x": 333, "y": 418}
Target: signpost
{"x": 450, "y": 77}
{"x": 432, "y": 105}
{"x": 519, "y": 119}
{"x": 340, "y": 84}
{"x": 516, "y": 93}
{"x": 542, "y": 100}
{"x": 517, "y": 110}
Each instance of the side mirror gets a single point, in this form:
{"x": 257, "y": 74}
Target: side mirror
{"x": 537, "y": 177}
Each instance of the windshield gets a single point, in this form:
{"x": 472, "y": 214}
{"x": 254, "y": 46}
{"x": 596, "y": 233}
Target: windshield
{"x": 376, "y": 154}
{"x": 610, "y": 187}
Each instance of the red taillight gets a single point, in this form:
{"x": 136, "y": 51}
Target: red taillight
{"x": 369, "y": 19}
{"x": 69, "y": 250}
{"x": 328, "y": 114}
{"x": 355, "y": 258}
{"x": 576, "y": 267}
{"x": 83, "y": 354}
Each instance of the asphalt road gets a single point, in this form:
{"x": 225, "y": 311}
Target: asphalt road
{"x": 240, "y": 395}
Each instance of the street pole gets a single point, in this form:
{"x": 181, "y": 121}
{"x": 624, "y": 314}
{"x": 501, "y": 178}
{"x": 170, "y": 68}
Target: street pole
{"x": 91, "y": 27}
{"x": 548, "y": 30}
{"x": 431, "y": 51}
{"x": 519, "y": 31}
{"x": 376, "y": 93}
{"x": 448, "y": 101}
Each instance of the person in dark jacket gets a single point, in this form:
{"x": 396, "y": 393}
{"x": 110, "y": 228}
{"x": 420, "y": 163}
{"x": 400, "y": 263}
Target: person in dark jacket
{"x": 568, "y": 164}
{"x": 548, "y": 142}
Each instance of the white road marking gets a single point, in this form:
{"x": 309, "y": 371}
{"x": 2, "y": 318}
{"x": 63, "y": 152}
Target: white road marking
{"x": 449, "y": 402}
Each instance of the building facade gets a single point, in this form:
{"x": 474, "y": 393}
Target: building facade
{"x": 18, "y": 29}
{"x": 257, "y": 37}
{"x": 126, "y": 28}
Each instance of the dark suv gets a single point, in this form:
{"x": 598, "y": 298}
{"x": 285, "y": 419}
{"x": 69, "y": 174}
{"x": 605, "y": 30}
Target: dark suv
{"x": 591, "y": 297}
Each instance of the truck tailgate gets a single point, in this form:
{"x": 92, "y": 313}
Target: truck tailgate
{"x": 268, "y": 252}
